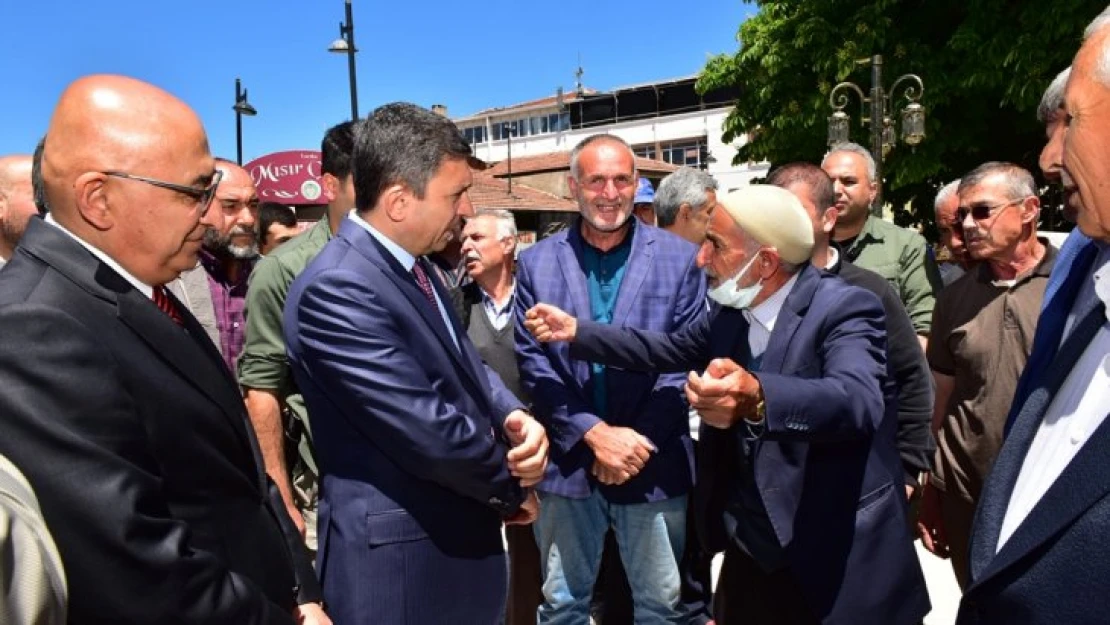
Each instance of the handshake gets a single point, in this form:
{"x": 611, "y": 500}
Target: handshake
{"x": 723, "y": 394}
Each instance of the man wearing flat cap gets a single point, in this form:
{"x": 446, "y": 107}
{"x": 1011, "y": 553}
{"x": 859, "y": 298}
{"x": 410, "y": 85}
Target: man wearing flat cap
{"x": 799, "y": 479}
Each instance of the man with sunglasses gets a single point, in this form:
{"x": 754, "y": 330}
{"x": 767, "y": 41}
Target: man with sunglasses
{"x": 983, "y": 328}
{"x": 115, "y": 405}
{"x": 621, "y": 450}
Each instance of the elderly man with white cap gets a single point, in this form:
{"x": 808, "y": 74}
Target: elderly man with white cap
{"x": 799, "y": 480}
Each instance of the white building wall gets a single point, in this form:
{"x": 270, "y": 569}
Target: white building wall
{"x": 708, "y": 124}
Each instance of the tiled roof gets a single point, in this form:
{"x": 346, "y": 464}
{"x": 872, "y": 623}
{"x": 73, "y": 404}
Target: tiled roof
{"x": 560, "y": 161}
{"x": 493, "y": 193}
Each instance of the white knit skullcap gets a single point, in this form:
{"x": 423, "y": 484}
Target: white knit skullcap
{"x": 774, "y": 217}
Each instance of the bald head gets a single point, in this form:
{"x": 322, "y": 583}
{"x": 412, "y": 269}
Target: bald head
{"x": 106, "y": 132}
{"x": 17, "y": 203}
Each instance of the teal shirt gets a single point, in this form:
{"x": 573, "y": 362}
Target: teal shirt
{"x": 604, "y": 272}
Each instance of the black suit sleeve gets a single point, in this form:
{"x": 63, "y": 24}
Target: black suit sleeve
{"x": 75, "y": 431}
{"x": 915, "y": 388}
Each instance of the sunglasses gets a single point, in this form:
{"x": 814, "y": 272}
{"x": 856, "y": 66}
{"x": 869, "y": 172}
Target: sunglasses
{"x": 202, "y": 196}
{"x": 979, "y": 212}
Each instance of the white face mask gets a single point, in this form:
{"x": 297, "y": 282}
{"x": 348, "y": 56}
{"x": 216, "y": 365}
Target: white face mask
{"x": 730, "y": 294}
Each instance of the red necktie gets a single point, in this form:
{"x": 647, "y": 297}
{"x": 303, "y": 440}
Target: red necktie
{"x": 425, "y": 284}
{"x": 165, "y": 304}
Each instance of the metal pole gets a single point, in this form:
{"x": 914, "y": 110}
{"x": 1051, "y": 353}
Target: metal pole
{"x": 509, "y": 129}
{"x": 351, "y": 60}
{"x": 238, "y": 123}
{"x": 878, "y": 113}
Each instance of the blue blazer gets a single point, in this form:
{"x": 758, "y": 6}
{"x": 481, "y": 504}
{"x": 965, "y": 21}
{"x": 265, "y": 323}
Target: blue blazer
{"x": 827, "y": 466}
{"x": 408, "y": 432}
{"x": 662, "y": 290}
{"x": 1054, "y": 568}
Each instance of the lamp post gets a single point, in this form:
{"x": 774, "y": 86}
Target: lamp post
{"x": 509, "y": 129}
{"x": 346, "y": 45}
{"x": 241, "y": 108}
{"x": 882, "y": 126}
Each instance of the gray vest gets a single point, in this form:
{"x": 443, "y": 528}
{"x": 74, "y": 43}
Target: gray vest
{"x": 496, "y": 348}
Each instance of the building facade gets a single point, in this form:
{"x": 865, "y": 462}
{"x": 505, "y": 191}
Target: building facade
{"x": 667, "y": 121}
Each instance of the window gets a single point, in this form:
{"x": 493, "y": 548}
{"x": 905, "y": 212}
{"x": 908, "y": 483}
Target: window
{"x": 644, "y": 151}
{"x": 688, "y": 152}
{"x": 475, "y": 134}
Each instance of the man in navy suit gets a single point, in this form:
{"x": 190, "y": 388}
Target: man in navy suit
{"x": 1040, "y": 551}
{"x": 423, "y": 452}
{"x": 622, "y": 452}
{"x": 799, "y": 478}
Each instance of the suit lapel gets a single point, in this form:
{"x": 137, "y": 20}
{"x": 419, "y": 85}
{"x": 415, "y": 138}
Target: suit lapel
{"x": 365, "y": 243}
{"x": 575, "y": 280}
{"x": 1084, "y": 481}
{"x": 790, "y": 319}
{"x": 640, "y": 259}
{"x": 188, "y": 351}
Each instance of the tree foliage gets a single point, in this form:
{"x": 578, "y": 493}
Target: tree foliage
{"x": 985, "y": 65}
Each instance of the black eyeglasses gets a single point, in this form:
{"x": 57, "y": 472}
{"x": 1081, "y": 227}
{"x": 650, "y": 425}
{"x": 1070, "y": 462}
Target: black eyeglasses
{"x": 202, "y": 196}
{"x": 979, "y": 212}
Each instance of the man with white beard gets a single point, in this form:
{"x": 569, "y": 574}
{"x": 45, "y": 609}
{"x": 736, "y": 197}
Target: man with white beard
{"x": 215, "y": 291}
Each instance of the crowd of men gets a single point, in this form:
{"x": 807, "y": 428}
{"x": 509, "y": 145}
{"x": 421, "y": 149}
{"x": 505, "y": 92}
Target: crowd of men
{"x": 196, "y": 400}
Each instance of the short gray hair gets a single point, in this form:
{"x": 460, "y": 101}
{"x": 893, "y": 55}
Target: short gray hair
{"x": 585, "y": 143}
{"x": 1053, "y": 98}
{"x": 1018, "y": 181}
{"x": 855, "y": 148}
{"x": 946, "y": 192}
{"x": 506, "y": 222}
{"x": 1102, "y": 66}
{"x": 685, "y": 185}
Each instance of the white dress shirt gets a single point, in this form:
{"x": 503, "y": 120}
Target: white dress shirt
{"x": 499, "y": 314}
{"x": 762, "y": 318}
{"x": 407, "y": 261}
{"x": 143, "y": 288}
{"x": 1077, "y": 410}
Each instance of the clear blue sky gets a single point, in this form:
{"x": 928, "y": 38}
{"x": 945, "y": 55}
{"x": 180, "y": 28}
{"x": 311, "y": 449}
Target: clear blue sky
{"x": 466, "y": 55}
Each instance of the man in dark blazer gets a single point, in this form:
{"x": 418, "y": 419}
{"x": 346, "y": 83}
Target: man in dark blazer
{"x": 422, "y": 450}
{"x": 622, "y": 456}
{"x": 115, "y": 404}
{"x": 799, "y": 479}
{"x": 1040, "y": 550}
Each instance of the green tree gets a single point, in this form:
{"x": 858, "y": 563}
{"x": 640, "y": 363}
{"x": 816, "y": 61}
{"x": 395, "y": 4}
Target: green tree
{"x": 985, "y": 65}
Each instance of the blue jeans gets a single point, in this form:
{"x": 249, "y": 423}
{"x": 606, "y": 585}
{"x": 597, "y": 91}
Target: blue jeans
{"x": 571, "y": 534}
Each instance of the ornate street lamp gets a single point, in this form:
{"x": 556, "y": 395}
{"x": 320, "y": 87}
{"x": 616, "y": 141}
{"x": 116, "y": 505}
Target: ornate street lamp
{"x": 883, "y": 135}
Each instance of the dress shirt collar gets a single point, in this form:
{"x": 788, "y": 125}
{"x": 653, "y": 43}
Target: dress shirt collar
{"x": 767, "y": 312}
{"x": 492, "y": 305}
{"x": 1102, "y": 277}
{"x": 407, "y": 260}
{"x": 833, "y": 259}
{"x": 145, "y": 289}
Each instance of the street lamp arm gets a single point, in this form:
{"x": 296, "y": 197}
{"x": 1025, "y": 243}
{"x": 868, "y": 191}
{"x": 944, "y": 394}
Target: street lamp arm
{"x": 912, "y": 93}
{"x": 838, "y": 98}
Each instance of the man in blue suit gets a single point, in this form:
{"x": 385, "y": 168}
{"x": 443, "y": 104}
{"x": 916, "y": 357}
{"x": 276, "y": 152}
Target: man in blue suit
{"x": 422, "y": 450}
{"x": 799, "y": 478}
{"x": 1040, "y": 550}
{"x": 622, "y": 452}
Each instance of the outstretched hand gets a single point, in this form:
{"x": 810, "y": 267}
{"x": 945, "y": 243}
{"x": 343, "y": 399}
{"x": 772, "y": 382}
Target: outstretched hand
{"x": 550, "y": 324}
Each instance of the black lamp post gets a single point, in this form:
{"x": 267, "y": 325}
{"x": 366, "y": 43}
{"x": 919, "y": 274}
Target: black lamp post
{"x": 882, "y": 126}
{"x": 346, "y": 45}
{"x": 241, "y": 108}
